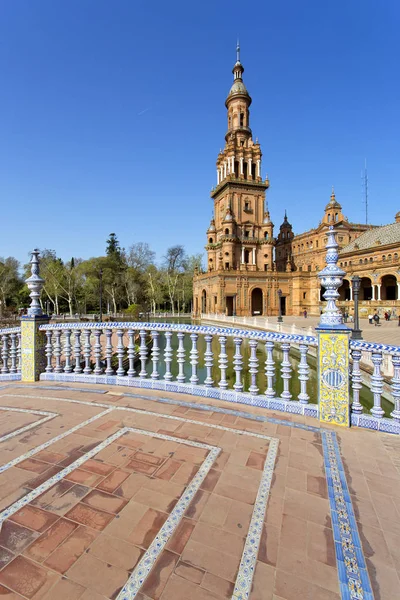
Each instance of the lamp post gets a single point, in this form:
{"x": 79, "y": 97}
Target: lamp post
{"x": 356, "y": 284}
{"x": 279, "y": 292}
{"x": 101, "y": 295}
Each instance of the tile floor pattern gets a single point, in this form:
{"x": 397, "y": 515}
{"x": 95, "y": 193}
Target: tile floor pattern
{"x": 85, "y": 536}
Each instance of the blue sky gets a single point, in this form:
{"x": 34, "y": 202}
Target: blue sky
{"x": 112, "y": 115}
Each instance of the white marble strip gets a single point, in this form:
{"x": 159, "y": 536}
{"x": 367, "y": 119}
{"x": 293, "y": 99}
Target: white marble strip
{"x": 16, "y": 432}
{"x": 245, "y": 574}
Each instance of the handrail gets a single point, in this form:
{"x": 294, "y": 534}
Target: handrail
{"x": 373, "y": 347}
{"x": 10, "y": 330}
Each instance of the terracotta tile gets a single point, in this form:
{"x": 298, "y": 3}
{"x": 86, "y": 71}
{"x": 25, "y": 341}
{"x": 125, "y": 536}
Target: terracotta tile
{"x": 107, "y": 425}
{"x": 15, "y": 538}
{"x": 385, "y": 581}
{"x": 168, "y": 469}
{"x": 315, "y": 572}
{"x": 185, "y": 473}
{"x": 50, "y": 540}
{"x": 113, "y": 481}
{"x": 104, "y": 501}
{"x": 159, "y": 575}
{"x": 55, "y": 492}
{"x": 84, "y": 477}
{"x": 34, "y": 577}
{"x": 293, "y": 534}
{"x": 64, "y": 503}
{"x": 320, "y": 544}
{"x": 52, "y": 470}
{"x": 34, "y": 518}
{"x": 375, "y": 546}
{"x": 263, "y": 583}
{"x": 71, "y": 549}
{"x": 64, "y": 589}
{"x": 181, "y": 536}
{"x": 222, "y": 541}
{"x": 7, "y": 594}
{"x": 155, "y": 500}
{"x": 256, "y": 461}
{"x": 131, "y": 485}
{"x": 86, "y": 515}
{"x": 269, "y": 545}
{"x": 49, "y": 456}
{"x": 216, "y": 510}
{"x": 140, "y": 467}
{"x": 5, "y": 557}
{"x": 98, "y": 576}
{"x": 148, "y": 458}
{"x": 236, "y": 493}
{"x": 190, "y": 573}
{"x": 95, "y": 466}
{"x": 220, "y": 587}
{"x": 238, "y": 517}
{"x": 31, "y": 464}
{"x": 211, "y": 480}
{"x": 197, "y": 505}
{"x": 115, "y": 551}
{"x": 296, "y": 479}
{"x": 178, "y": 588}
{"x": 147, "y": 528}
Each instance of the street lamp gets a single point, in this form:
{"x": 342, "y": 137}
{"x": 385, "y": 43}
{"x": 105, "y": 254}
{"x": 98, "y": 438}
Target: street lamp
{"x": 279, "y": 292}
{"x": 356, "y": 284}
{"x": 101, "y": 295}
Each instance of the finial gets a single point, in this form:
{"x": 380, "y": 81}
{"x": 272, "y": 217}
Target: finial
{"x": 331, "y": 278}
{"x": 35, "y": 284}
{"x": 333, "y": 197}
{"x": 237, "y": 51}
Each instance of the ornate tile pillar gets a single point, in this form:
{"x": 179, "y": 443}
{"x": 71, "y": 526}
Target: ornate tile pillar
{"x": 333, "y": 345}
{"x": 33, "y": 341}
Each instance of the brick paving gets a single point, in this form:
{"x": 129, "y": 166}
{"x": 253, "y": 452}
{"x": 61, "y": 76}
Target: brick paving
{"x": 83, "y": 536}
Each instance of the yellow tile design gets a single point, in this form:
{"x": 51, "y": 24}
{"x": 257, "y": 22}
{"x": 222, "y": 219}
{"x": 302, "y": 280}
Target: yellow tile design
{"x": 333, "y": 380}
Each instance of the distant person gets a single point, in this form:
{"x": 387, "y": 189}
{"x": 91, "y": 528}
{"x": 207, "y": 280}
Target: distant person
{"x": 370, "y": 318}
{"x": 376, "y": 319}
{"x": 305, "y": 314}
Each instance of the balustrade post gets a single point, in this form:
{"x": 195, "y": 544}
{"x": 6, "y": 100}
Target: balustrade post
{"x": 333, "y": 345}
{"x": 109, "y": 352}
{"x": 168, "y": 356}
{"x": 238, "y": 364}
{"x": 67, "y": 351}
{"x": 4, "y": 353}
{"x": 57, "y": 351}
{"x": 377, "y": 385}
{"x": 253, "y": 367}
{"x": 131, "y": 353}
{"x": 97, "y": 352}
{"x": 396, "y": 387}
{"x": 33, "y": 341}
{"x": 77, "y": 351}
{"x": 194, "y": 355}
{"x": 223, "y": 362}
{"x": 155, "y": 355}
{"x": 208, "y": 360}
{"x": 143, "y": 353}
{"x": 356, "y": 406}
{"x": 286, "y": 371}
{"x": 270, "y": 370}
{"x": 19, "y": 353}
{"x": 13, "y": 353}
{"x": 49, "y": 351}
{"x": 181, "y": 358}
{"x": 304, "y": 374}
{"x": 120, "y": 353}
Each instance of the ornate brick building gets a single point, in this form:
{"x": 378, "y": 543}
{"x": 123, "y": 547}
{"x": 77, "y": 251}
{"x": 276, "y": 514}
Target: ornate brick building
{"x": 248, "y": 270}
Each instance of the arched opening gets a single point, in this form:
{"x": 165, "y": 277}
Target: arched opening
{"x": 241, "y": 119}
{"x": 344, "y": 291}
{"x": 210, "y": 240}
{"x": 266, "y": 235}
{"x": 321, "y": 294}
{"x": 389, "y": 288}
{"x": 246, "y": 256}
{"x": 256, "y": 302}
{"x": 227, "y": 231}
{"x": 366, "y": 289}
{"x": 204, "y": 301}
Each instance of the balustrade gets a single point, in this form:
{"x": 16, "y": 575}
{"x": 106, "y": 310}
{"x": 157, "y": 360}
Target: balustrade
{"x": 10, "y": 350}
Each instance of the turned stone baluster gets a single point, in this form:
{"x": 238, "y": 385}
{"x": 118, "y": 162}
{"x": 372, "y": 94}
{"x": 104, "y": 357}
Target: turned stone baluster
{"x": 238, "y": 365}
{"x": 155, "y": 354}
{"x": 396, "y": 387}
{"x": 77, "y": 351}
{"x": 181, "y": 358}
{"x": 194, "y": 355}
{"x": 143, "y": 353}
{"x": 67, "y": 351}
{"x": 377, "y": 385}
{"x": 5, "y": 353}
{"x": 304, "y": 374}
{"x": 208, "y": 360}
{"x": 286, "y": 371}
{"x": 19, "y": 354}
{"x": 13, "y": 353}
{"x": 270, "y": 370}
{"x": 356, "y": 406}
{"x": 131, "y": 353}
{"x": 168, "y": 356}
{"x": 109, "y": 352}
{"x": 87, "y": 351}
{"x": 97, "y": 351}
{"x": 57, "y": 351}
{"x": 223, "y": 362}
{"x": 253, "y": 367}
{"x": 49, "y": 351}
{"x": 120, "y": 353}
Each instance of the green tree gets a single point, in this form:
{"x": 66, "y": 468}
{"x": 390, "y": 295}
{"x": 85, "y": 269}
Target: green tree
{"x": 10, "y": 282}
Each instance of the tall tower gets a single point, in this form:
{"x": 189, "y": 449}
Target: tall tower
{"x": 240, "y": 235}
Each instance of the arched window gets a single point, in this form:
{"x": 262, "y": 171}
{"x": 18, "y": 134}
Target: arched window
{"x": 210, "y": 241}
{"x": 266, "y": 235}
{"x": 389, "y": 257}
{"x": 226, "y": 231}
{"x": 365, "y": 260}
{"x": 395, "y": 256}
{"x": 383, "y": 257}
{"x": 329, "y": 218}
{"x": 241, "y": 119}
{"x": 336, "y": 216}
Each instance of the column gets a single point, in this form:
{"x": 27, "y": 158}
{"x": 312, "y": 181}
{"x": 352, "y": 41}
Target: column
{"x": 242, "y": 261}
{"x": 224, "y": 169}
{"x": 259, "y": 168}
{"x": 254, "y": 256}
{"x": 249, "y": 173}
{"x": 233, "y": 165}
{"x": 241, "y": 165}
{"x": 398, "y": 290}
{"x": 373, "y": 291}
{"x": 351, "y": 292}
{"x": 217, "y": 176}
{"x": 379, "y": 285}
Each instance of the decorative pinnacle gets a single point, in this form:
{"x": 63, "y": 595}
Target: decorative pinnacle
{"x": 35, "y": 284}
{"x": 237, "y": 51}
{"x": 333, "y": 197}
{"x": 331, "y": 279}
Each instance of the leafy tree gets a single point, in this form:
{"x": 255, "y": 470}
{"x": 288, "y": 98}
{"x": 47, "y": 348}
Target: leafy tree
{"x": 113, "y": 249}
{"x": 10, "y": 282}
{"x": 173, "y": 269}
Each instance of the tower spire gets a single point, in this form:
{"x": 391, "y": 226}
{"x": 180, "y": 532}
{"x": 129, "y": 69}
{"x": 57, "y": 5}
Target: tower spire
{"x": 238, "y": 51}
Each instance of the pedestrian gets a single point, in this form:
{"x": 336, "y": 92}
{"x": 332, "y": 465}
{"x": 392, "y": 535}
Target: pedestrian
{"x": 399, "y": 320}
{"x": 376, "y": 319}
{"x": 370, "y": 318}
{"x": 305, "y": 314}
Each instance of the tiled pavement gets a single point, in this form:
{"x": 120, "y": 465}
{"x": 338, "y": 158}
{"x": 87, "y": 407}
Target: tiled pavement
{"x": 97, "y": 496}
